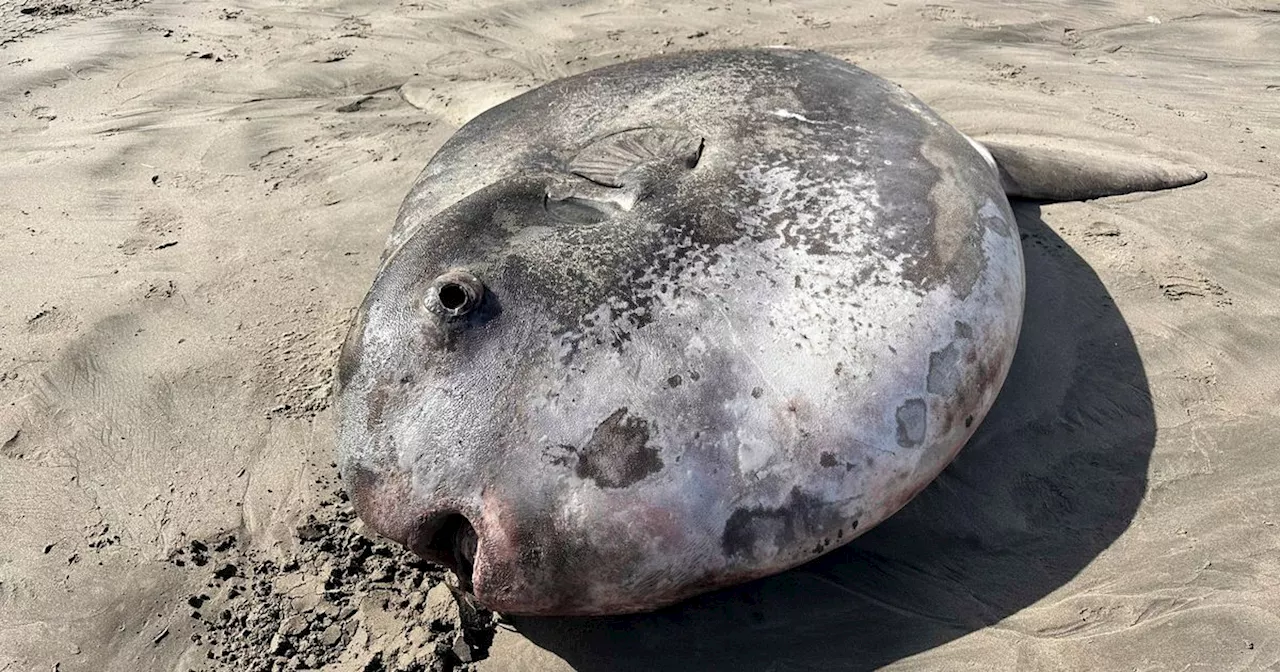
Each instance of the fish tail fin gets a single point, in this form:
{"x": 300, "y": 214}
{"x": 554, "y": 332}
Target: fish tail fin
{"x": 1049, "y": 170}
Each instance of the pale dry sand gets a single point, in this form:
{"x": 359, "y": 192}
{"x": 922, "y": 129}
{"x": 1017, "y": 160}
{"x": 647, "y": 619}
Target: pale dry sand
{"x": 194, "y": 199}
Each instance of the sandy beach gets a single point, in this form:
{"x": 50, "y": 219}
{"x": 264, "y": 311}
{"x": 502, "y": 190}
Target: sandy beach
{"x": 195, "y": 198}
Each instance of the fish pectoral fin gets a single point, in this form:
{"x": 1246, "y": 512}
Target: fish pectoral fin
{"x": 1053, "y": 169}
{"x": 577, "y": 200}
{"x": 638, "y": 159}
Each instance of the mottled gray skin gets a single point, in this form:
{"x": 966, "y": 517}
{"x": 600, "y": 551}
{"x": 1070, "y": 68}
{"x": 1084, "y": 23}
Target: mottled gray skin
{"x": 700, "y": 375}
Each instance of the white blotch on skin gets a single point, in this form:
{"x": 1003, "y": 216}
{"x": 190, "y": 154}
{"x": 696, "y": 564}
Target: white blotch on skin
{"x": 753, "y": 454}
{"x": 793, "y": 115}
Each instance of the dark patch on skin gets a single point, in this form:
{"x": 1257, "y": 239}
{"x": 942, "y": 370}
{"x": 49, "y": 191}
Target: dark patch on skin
{"x": 674, "y": 381}
{"x": 963, "y": 330}
{"x": 569, "y": 457}
{"x": 377, "y": 407}
{"x": 757, "y": 392}
{"x": 947, "y": 247}
{"x": 618, "y": 454}
{"x": 911, "y": 422}
{"x": 944, "y": 370}
{"x": 751, "y": 532}
{"x": 828, "y": 459}
{"x": 968, "y": 421}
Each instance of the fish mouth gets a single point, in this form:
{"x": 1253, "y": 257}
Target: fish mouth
{"x": 450, "y": 540}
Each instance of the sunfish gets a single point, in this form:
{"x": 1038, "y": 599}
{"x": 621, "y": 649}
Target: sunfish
{"x": 683, "y": 322}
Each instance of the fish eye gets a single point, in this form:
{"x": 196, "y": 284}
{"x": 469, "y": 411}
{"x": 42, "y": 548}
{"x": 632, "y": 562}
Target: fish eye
{"x": 455, "y": 293}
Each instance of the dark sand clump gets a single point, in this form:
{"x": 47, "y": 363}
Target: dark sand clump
{"x": 303, "y": 612}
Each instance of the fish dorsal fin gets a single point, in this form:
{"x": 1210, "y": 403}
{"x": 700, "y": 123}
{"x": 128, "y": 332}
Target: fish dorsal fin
{"x": 1057, "y": 170}
{"x": 614, "y": 172}
{"x": 638, "y": 157}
